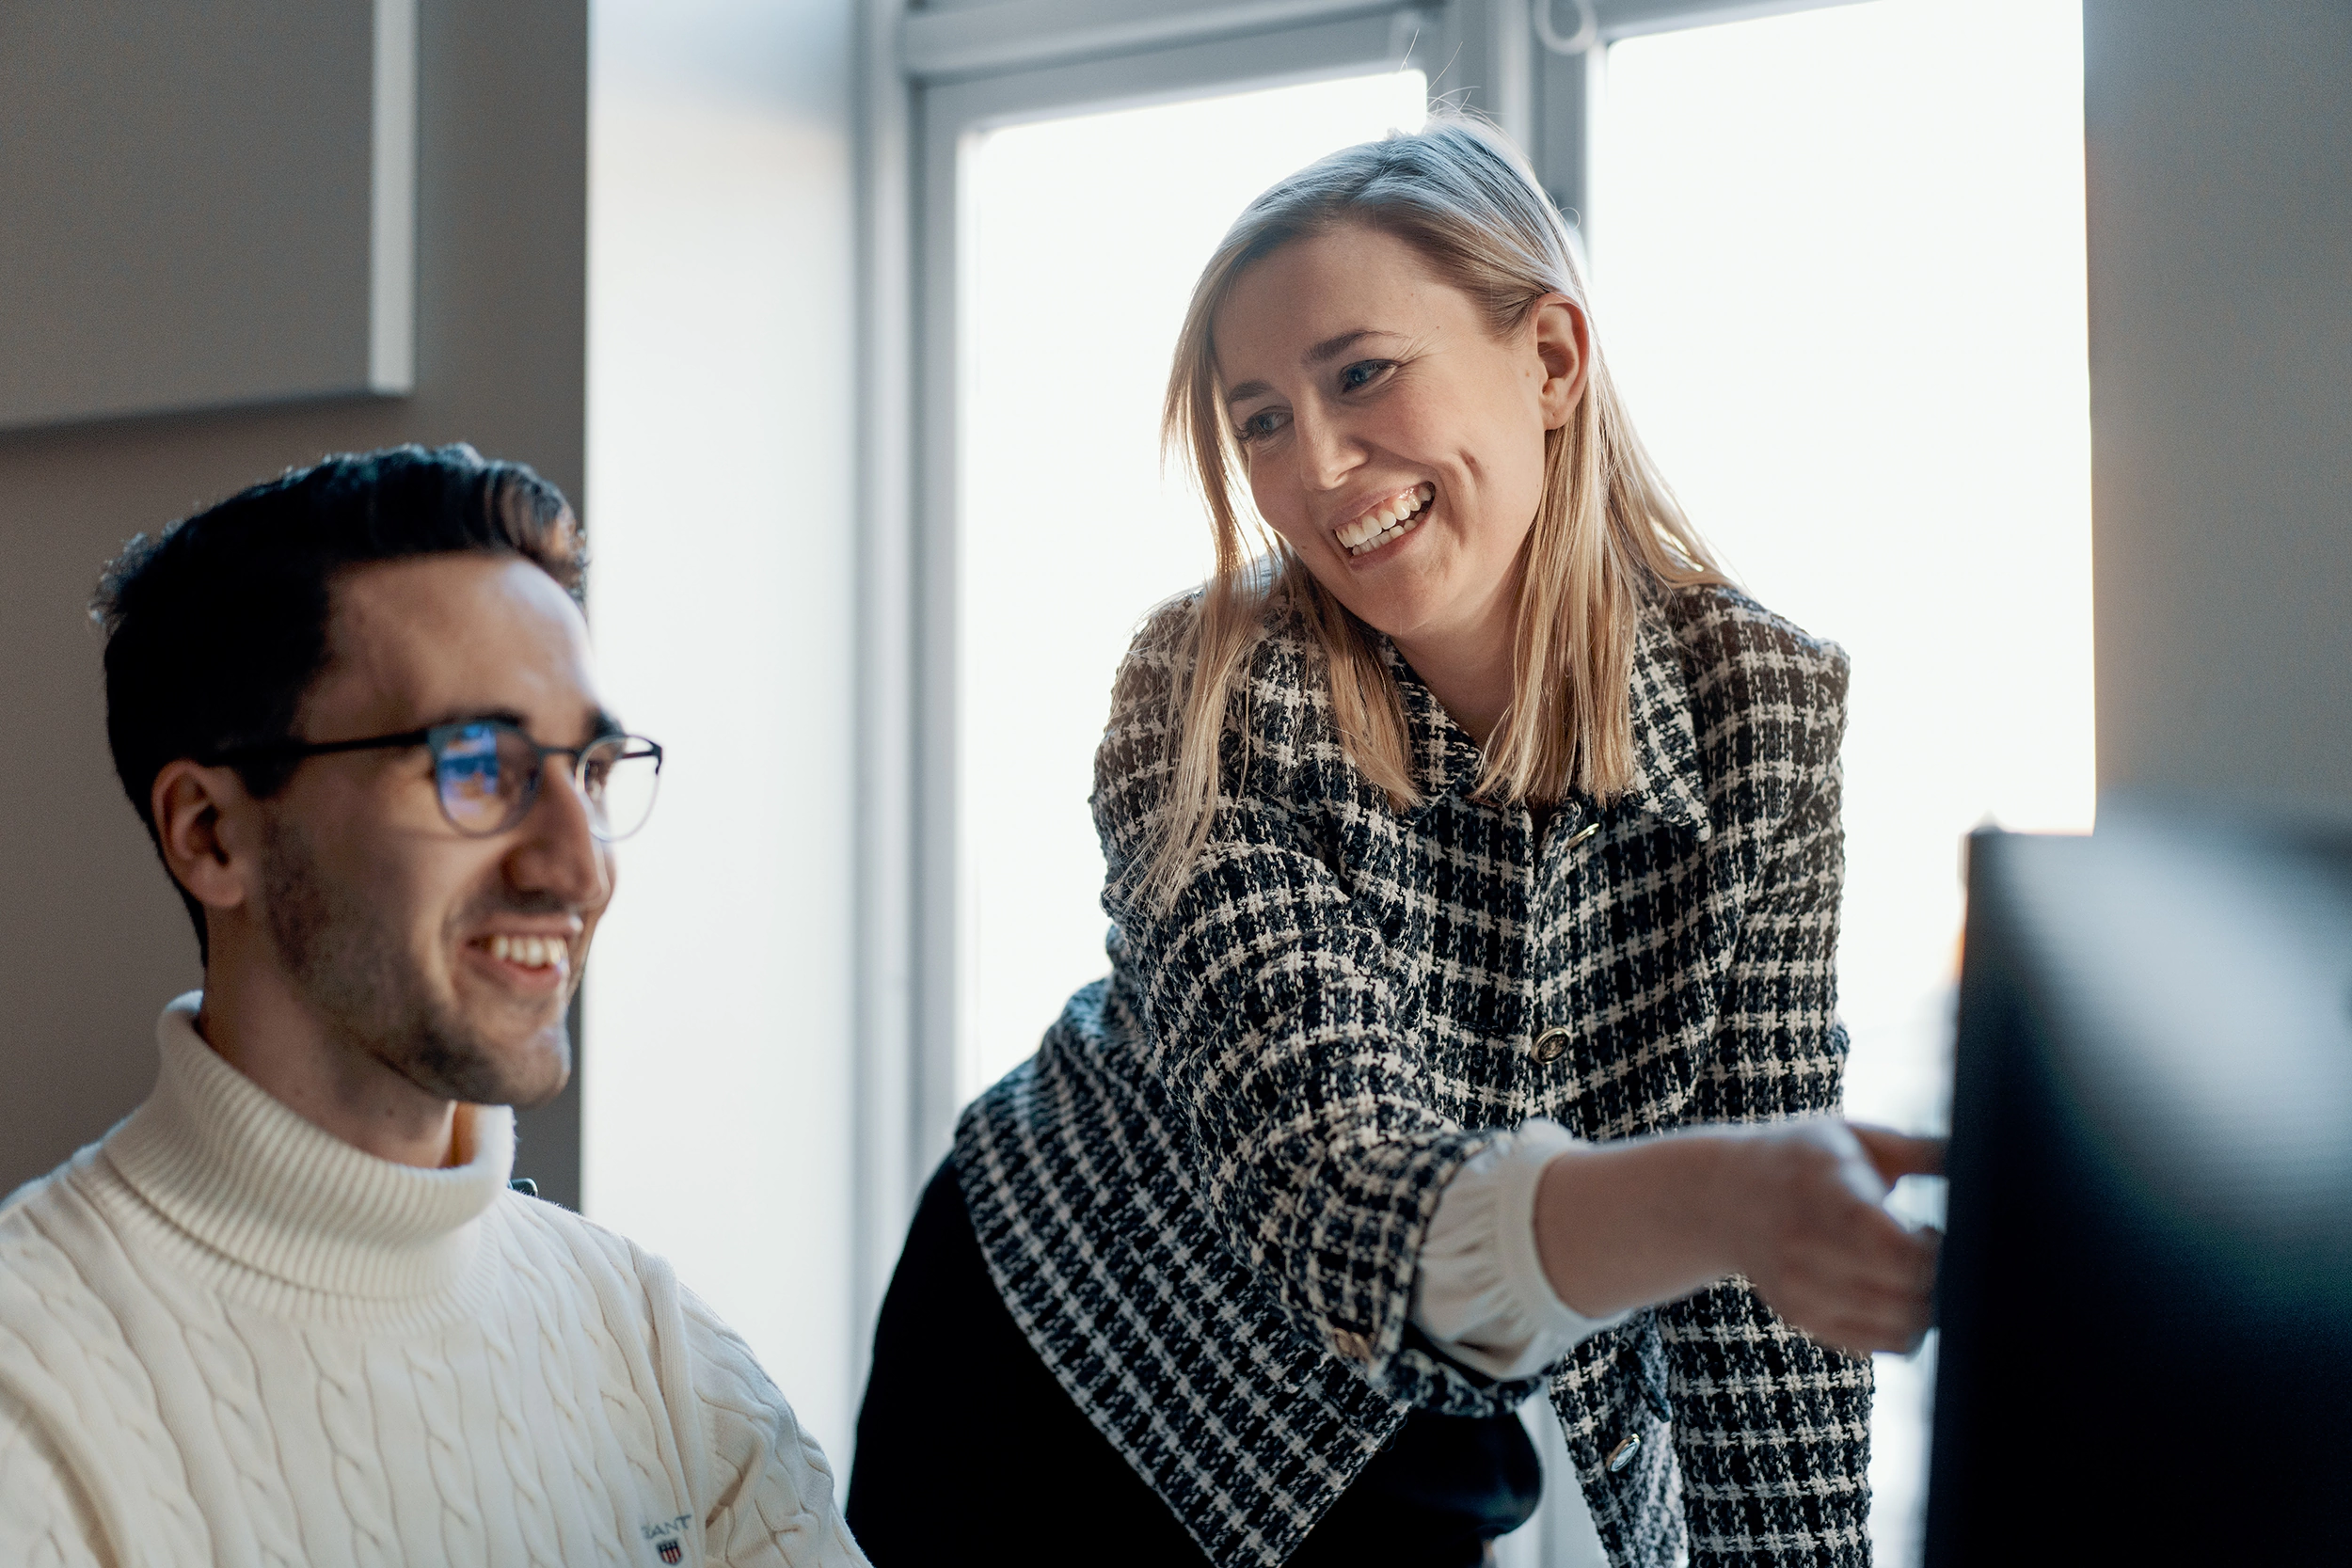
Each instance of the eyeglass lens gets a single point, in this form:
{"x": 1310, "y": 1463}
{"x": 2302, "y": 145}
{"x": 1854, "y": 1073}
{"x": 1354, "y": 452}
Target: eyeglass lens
{"x": 489, "y": 775}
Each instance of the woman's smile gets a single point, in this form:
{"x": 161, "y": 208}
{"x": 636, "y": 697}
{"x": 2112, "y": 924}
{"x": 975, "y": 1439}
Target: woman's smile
{"x": 1386, "y": 521}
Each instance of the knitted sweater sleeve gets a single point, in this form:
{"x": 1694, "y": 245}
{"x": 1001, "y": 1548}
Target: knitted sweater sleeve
{"x": 45, "y": 1521}
{"x": 772, "y": 1499}
{"x": 1772, "y": 1429}
{"x": 1281, "y": 1014}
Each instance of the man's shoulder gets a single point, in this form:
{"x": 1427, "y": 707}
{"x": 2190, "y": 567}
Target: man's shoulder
{"x": 43, "y": 1225}
{"x": 536, "y": 1233}
{"x": 554, "y": 1248}
{"x": 60, "y": 1335}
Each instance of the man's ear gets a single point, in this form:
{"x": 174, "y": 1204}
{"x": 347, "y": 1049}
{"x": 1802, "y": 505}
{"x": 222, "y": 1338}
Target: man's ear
{"x": 1564, "y": 340}
{"x": 207, "y": 825}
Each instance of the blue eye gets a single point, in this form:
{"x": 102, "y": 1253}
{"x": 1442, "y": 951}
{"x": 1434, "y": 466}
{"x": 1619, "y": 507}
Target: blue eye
{"x": 1260, "y": 425}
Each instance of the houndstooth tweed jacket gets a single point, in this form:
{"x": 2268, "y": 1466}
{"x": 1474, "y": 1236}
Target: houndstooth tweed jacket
{"x": 1204, "y": 1197}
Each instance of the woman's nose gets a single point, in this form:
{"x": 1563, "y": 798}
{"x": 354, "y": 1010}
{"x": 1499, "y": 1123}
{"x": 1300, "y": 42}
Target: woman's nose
{"x": 1326, "y": 454}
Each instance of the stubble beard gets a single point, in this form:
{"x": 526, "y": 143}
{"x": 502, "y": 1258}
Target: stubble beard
{"x": 352, "y": 967}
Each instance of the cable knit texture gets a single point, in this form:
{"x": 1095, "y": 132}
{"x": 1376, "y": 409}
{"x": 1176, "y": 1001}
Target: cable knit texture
{"x": 1207, "y": 1197}
{"x": 228, "y": 1336}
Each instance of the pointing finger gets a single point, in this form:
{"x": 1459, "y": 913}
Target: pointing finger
{"x": 1898, "y": 1154}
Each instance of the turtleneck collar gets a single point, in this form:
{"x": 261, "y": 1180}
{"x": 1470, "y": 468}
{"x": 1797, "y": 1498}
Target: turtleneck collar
{"x": 261, "y": 1187}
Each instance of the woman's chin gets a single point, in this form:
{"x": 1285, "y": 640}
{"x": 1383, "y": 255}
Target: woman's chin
{"x": 1410, "y": 608}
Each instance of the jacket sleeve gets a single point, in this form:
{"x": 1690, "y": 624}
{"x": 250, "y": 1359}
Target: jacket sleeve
{"x": 1770, "y": 1429}
{"x": 1281, "y": 1021}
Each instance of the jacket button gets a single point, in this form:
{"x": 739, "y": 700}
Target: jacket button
{"x": 1622, "y": 1455}
{"x": 1550, "y": 1045}
{"x": 1354, "y": 1346}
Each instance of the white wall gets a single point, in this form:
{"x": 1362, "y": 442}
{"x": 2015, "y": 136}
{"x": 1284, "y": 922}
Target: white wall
{"x": 719, "y": 1093}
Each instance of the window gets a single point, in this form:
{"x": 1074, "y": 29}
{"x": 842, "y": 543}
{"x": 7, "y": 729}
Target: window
{"x": 717, "y": 1062}
{"x": 1062, "y": 209}
{"x": 1838, "y": 266}
{"x": 1084, "y": 238}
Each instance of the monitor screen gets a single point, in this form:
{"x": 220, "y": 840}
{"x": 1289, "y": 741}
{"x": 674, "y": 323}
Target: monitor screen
{"x": 2146, "y": 1288}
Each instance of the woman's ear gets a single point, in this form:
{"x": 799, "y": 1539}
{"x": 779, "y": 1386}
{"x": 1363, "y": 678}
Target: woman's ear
{"x": 205, "y": 825}
{"x": 1564, "y": 343}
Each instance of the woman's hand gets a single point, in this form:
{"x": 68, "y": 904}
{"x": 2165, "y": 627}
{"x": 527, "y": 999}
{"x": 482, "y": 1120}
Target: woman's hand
{"x": 1806, "y": 1224}
{"x": 1795, "y": 1206}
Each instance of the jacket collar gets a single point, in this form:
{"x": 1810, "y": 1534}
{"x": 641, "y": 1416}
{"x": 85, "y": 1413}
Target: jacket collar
{"x": 1666, "y": 780}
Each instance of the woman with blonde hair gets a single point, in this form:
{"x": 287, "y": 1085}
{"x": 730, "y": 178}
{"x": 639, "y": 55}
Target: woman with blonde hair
{"x": 1474, "y": 863}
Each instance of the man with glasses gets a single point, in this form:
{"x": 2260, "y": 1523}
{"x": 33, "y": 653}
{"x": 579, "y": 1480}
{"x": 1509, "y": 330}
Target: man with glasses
{"x": 289, "y": 1311}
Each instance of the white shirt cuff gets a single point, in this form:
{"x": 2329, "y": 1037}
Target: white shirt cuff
{"x": 1481, "y": 1293}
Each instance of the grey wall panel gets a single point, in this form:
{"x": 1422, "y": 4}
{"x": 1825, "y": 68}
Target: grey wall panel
{"x": 2219, "y": 152}
{"x": 91, "y": 941}
{"x": 205, "y": 204}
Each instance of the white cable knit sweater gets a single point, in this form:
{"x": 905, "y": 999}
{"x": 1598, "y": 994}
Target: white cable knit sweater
{"x": 228, "y": 1336}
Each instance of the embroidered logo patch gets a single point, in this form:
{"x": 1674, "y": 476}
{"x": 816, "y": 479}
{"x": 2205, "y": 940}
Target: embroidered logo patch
{"x": 664, "y": 1535}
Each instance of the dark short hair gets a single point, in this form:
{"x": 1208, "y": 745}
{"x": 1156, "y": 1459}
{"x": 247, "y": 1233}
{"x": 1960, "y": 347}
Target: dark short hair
{"x": 217, "y": 625}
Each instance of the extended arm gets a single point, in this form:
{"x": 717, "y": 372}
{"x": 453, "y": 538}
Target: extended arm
{"x": 1795, "y": 1208}
{"x": 1542, "y": 1240}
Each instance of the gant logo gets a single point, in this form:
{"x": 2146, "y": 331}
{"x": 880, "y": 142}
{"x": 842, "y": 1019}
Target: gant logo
{"x": 666, "y": 1537}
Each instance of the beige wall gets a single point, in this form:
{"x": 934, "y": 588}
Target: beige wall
{"x": 91, "y": 940}
{"x": 2219, "y": 156}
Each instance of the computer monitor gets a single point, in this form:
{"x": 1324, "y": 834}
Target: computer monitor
{"x": 2146, "y": 1287}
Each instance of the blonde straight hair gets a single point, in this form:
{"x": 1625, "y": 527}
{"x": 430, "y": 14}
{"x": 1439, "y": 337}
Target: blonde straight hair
{"x": 1607, "y": 534}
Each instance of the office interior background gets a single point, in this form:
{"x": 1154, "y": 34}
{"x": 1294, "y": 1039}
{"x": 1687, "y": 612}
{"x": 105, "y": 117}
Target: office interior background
{"x": 2004, "y": 342}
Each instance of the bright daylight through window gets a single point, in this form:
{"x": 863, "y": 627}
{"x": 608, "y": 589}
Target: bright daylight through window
{"x": 1838, "y": 264}
{"x": 1083, "y": 240}
{"x": 1839, "y": 277}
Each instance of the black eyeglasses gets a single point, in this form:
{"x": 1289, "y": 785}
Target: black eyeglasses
{"x": 487, "y": 772}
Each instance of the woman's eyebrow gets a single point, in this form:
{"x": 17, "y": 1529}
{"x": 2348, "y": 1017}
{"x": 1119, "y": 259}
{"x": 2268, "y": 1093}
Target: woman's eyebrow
{"x": 1322, "y": 353}
{"x": 1331, "y": 348}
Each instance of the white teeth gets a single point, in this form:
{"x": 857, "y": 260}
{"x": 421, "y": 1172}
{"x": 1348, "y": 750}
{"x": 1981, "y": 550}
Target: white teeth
{"x": 529, "y": 952}
{"x": 1391, "y": 519}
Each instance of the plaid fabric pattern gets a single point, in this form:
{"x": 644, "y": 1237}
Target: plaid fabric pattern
{"x": 1205, "y": 1195}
